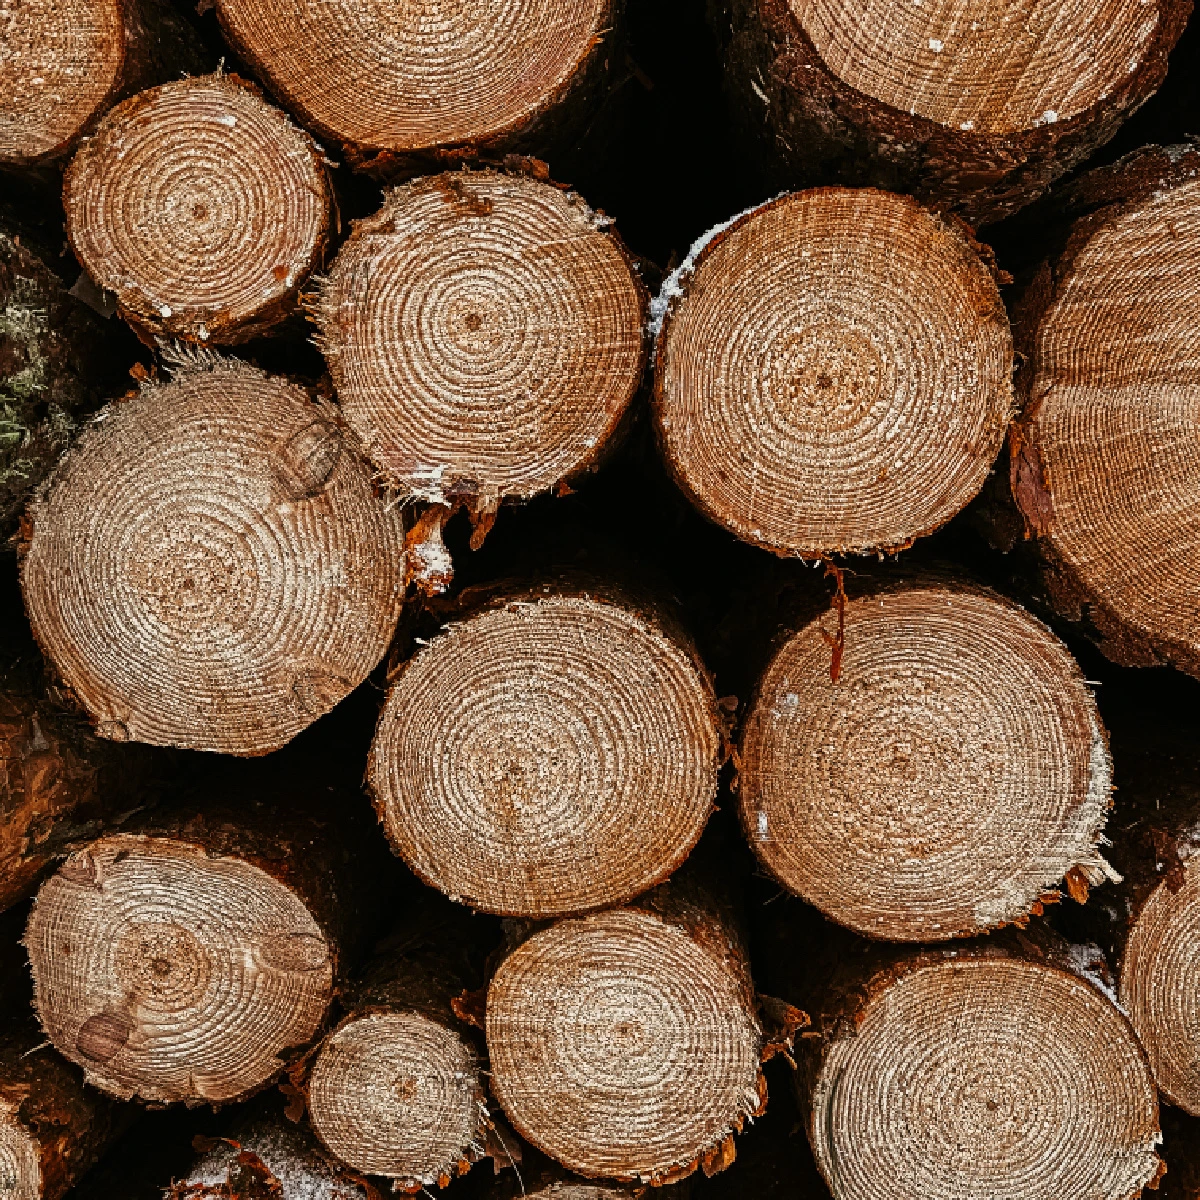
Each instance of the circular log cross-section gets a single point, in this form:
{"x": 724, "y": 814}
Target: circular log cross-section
{"x": 1107, "y": 463}
{"x": 485, "y": 334}
{"x": 622, "y": 1046}
{"x": 971, "y": 1079}
{"x": 171, "y": 974}
{"x": 397, "y": 1094}
{"x": 376, "y": 76}
{"x": 954, "y": 774}
{"x": 547, "y": 756}
{"x": 833, "y": 373}
{"x": 210, "y": 567}
{"x": 201, "y": 208}
{"x": 20, "y": 1171}
{"x": 1160, "y": 984}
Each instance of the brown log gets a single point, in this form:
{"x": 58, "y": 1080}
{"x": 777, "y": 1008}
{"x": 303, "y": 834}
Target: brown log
{"x": 389, "y": 85}
{"x": 58, "y": 362}
{"x": 832, "y": 372}
{"x": 210, "y": 566}
{"x": 190, "y": 961}
{"x": 484, "y": 331}
{"x": 556, "y": 750}
{"x": 925, "y": 762}
{"x": 627, "y": 1044}
{"x": 201, "y": 208}
{"x": 66, "y": 64}
{"x": 1104, "y": 458}
{"x": 977, "y": 106}
{"x": 992, "y": 1068}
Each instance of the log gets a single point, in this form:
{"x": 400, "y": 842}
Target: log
{"x": 990, "y": 1069}
{"x": 193, "y": 959}
{"x": 977, "y": 107}
{"x": 392, "y": 85}
{"x": 627, "y": 1044}
{"x": 1104, "y": 458}
{"x": 68, "y": 63}
{"x": 556, "y": 750}
{"x": 484, "y": 331}
{"x": 201, "y": 208}
{"x": 934, "y": 773}
{"x": 210, "y": 567}
{"x": 58, "y": 362}
{"x": 832, "y": 372}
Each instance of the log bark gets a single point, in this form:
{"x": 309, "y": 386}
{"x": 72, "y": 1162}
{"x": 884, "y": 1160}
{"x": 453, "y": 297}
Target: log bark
{"x": 925, "y": 762}
{"x": 1104, "y": 457}
{"x": 554, "y": 750}
{"x": 977, "y": 107}
{"x": 201, "y": 208}
{"x": 627, "y": 1044}
{"x": 69, "y": 63}
{"x": 393, "y": 88}
{"x": 950, "y": 1072}
{"x": 193, "y": 959}
{"x": 832, "y": 372}
{"x": 210, "y": 566}
{"x": 484, "y": 331}
{"x": 58, "y": 362}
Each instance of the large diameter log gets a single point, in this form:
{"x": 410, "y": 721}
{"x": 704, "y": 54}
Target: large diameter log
{"x": 65, "y": 64}
{"x": 949, "y": 777}
{"x": 977, "y": 106}
{"x": 627, "y": 1044}
{"x": 188, "y": 963}
{"x": 210, "y": 567}
{"x": 833, "y": 372}
{"x": 555, "y": 752}
{"x": 485, "y": 334}
{"x": 1105, "y": 462}
{"x": 977, "y": 1072}
{"x": 201, "y": 208}
{"x": 389, "y": 83}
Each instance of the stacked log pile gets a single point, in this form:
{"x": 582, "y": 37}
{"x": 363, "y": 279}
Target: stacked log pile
{"x": 495, "y": 705}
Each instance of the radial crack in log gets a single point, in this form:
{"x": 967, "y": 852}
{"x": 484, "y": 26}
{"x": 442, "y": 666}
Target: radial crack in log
{"x": 833, "y": 372}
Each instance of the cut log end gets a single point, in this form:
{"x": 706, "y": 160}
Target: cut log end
{"x": 833, "y": 373}
{"x": 210, "y": 567}
{"x": 949, "y": 779}
{"x": 200, "y": 207}
{"x": 171, "y": 975}
{"x": 20, "y": 1170}
{"x": 621, "y": 1046}
{"x": 984, "y": 1078}
{"x": 580, "y": 786}
{"x": 1160, "y": 985}
{"x": 983, "y": 67}
{"x": 397, "y": 1094}
{"x": 61, "y": 61}
{"x": 418, "y": 84}
{"x": 485, "y": 334}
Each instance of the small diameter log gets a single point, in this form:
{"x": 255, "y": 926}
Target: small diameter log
{"x": 210, "y": 566}
{"x": 988, "y": 1070}
{"x": 485, "y": 334}
{"x": 390, "y": 83}
{"x": 58, "y": 362}
{"x": 1105, "y": 460}
{"x": 395, "y": 1089}
{"x": 949, "y": 777}
{"x": 201, "y": 208}
{"x": 65, "y": 64}
{"x": 555, "y": 752}
{"x": 627, "y": 1044}
{"x": 978, "y": 106}
{"x": 188, "y": 963}
{"x": 833, "y": 372}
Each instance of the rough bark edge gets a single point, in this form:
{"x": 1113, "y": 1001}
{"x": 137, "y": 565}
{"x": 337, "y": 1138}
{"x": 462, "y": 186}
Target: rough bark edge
{"x": 826, "y": 126}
